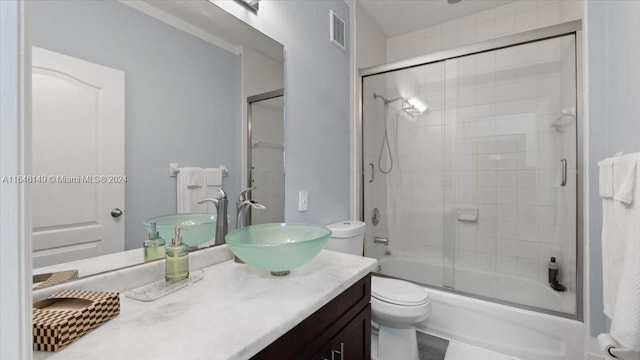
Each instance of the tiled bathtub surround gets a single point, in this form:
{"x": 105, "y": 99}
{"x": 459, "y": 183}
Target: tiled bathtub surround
{"x": 503, "y": 20}
{"x": 486, "y": 143}
{"x": 268, "y": 160}
{"x": 506, "y": 160}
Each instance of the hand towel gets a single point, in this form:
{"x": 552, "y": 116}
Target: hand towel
{"x": 213, "y": 176}
{"x": 194, "y": 176}
{"x": 606, "y": 177}
{"x": 624, "y": 175}
{"x": 612, "y": 252}
{"x": 188, "y": 193}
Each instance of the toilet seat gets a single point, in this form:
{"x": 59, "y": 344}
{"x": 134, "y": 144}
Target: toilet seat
{"x": 398, "y": 292}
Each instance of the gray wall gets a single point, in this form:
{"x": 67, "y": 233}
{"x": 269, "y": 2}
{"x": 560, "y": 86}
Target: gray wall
{"x": 317, "y": 101}
{"x": 614, "y": 113}
{"x": 182, "y": 96}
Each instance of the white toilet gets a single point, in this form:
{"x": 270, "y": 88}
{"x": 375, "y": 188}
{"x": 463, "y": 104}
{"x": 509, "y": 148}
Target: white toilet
{"x": 396, "y": 305}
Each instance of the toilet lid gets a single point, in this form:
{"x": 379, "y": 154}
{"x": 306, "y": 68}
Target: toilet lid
{"x": 399, "y": 292}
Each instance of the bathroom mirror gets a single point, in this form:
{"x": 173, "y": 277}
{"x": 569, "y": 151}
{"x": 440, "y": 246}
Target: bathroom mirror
{"x": 121, "y": 89}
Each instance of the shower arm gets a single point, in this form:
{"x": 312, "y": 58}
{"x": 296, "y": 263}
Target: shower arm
{"x": 386, "y": 101}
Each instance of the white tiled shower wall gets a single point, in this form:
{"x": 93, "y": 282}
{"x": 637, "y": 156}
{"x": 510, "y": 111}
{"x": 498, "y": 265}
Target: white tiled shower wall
{"x": 506, "y": 158}
{"x": 375, "y": 183}
{"x": 415, "y": 188}
{"x": 504, "y": 20}
{"x": 568, "y": 195}
{"x": 268, "y": 160}
{"x": 508, "y": 169}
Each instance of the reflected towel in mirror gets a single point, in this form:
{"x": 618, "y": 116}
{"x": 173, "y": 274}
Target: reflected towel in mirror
{"x": 188, "y": 193}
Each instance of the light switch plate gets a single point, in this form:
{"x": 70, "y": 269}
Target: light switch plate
{"x": 303, "y": 201}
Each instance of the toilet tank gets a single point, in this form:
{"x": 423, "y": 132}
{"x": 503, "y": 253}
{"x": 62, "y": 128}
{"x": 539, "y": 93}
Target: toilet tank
{"x": 347, "y": 237}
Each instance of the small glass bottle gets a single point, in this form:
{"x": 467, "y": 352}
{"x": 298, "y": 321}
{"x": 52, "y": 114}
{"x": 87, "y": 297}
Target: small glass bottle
{"x": 177, "y": 259}
{"x": 553, "y": 272}
{"x": 154, "y": 245}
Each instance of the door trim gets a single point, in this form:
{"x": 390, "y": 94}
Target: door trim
{"x": 15, "y": 144}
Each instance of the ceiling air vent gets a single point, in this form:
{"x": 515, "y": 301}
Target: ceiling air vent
{"x": 337, "y": 30}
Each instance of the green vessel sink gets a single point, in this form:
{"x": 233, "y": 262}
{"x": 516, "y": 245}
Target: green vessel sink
{"x": 200, "y": 227}
{"x": 277, "y": 248}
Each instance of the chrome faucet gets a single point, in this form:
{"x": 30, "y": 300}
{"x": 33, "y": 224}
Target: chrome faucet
{"x": 242, "y": 204}
{"x": 221, "y": 218}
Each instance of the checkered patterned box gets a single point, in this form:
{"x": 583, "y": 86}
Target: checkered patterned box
{"x": 69, "y": 314}
{"x": 42, "y": 281}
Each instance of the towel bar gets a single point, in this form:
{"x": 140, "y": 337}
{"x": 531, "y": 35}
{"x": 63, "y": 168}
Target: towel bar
{"x": 174, "y": 170}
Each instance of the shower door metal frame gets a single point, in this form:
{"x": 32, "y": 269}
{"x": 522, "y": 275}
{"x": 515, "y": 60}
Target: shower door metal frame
{"x": 568, "y": 28}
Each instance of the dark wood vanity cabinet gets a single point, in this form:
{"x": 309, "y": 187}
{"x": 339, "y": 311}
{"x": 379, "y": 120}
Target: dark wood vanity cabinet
{"x": 340, "y": 330}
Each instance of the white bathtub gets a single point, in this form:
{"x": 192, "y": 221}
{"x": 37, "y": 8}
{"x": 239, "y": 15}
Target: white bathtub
{"x": 509, "y": 330}
{"x": 494, "y": 285}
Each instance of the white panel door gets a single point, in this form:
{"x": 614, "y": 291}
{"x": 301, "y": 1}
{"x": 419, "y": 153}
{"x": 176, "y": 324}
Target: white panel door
{"x": 77, "y": 158}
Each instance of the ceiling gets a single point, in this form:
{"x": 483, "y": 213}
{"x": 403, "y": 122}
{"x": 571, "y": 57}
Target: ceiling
{"x": 218, "y": 26}
{"x": 397, "y": 17}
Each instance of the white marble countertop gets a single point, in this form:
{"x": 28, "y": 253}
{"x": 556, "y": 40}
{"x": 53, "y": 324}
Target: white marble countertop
{"x": 233, "y": 313}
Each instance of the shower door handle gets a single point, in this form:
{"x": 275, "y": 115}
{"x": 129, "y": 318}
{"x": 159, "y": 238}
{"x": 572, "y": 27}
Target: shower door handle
{"x": 564, "y": 172}
{"x": 372, "y": 178}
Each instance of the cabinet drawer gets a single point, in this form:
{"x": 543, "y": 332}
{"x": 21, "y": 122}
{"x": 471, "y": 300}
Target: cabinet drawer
{"x": 307, "y": 338}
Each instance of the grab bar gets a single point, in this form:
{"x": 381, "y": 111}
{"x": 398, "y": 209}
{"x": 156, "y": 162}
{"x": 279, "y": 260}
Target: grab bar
{"x": 372, "y": 173}
{"x": 564, "y": 172}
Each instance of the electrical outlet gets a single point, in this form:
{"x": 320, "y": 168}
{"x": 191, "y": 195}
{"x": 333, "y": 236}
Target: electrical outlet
{"x": 303, "y": 201}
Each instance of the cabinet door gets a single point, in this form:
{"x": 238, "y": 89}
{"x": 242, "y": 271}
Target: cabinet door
{"x": 353, "y": 342}
{"x": 309, "y": 339}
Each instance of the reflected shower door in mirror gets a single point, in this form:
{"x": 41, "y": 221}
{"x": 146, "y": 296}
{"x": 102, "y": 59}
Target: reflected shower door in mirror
{"x": 120, "y": 91}
{"x": 479, "y": 192}
{"x": 266, "y": 156}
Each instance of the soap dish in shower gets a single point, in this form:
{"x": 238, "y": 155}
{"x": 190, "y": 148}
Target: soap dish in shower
{"x": 158, "y": 289}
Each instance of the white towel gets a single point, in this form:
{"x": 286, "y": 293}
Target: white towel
{"x": 624, "y": 175}
{"x": 192, "y": 176}
{"x": 621, "y": 268}
{"x": 189, "y": 193}
{"x": 613, "y": 248}
{"x": 606, "y": 177}
{"x": 213, "y": 176}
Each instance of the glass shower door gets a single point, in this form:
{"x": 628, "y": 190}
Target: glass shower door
{"x": 266, "y": 149}
{"x": 403, "y": 171}
{"x": 478, "y": 192}
{"x": 510, "y": 188}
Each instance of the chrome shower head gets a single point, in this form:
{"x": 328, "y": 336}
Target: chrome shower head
{"x": 414, "y": 106}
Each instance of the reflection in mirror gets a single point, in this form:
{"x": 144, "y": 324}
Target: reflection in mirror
{"x": 266, "y": 156}
{"x": 120, "y": 91}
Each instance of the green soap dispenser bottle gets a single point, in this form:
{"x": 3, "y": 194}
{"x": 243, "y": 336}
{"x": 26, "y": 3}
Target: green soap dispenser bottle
{"x": 177, "y": 259}
{"x": 154, "y": 245}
